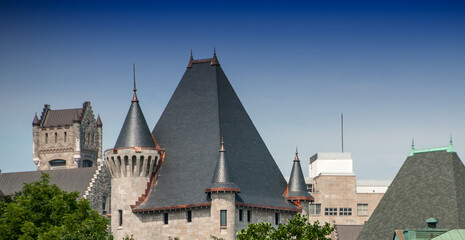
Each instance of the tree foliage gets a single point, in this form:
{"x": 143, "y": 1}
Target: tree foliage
{"x": 44, "y": 211}
{"x": 296, "y": 228}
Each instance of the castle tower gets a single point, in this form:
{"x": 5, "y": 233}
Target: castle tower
{"x": 223, "y": 199}
{"x": 132, "y": 163}
{"x": 66, "y": 138}
{"x": 296, "y": 191}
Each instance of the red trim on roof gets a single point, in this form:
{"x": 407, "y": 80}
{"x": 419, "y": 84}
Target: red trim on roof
{"x": 207, "y": 204}
{"x": 268, "y": 207}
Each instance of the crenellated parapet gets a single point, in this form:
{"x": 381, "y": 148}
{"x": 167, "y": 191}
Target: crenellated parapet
{"x": 132, "y": 161}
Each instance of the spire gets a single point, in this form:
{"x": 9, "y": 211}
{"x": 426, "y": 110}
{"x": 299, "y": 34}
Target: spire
{"x": 135, "y": 131}
{"x": 99, "y": 121}
{"x": 297, "y": 189}
{"x": 191, "y": 60}
{"x": 35, "y": 122}
{"x": 412, "y": 149}
{"x": 134, "y": 98}
{"x": 215, "y": 61}
{"x": 296, "y": 159}
{"x": 222, "y": 177}
{"x": 450, "y": 148}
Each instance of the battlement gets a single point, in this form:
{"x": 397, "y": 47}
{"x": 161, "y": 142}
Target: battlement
{"x": 132, "y": 162}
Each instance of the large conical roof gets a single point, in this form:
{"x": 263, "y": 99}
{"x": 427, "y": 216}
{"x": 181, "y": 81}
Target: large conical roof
{"x": 135, "y": 131}
{"x": 203, "y": 108}
{"x": 431, "y": 183}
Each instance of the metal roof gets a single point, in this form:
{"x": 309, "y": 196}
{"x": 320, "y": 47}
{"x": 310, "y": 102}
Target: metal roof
{"x": 456, "y": 234}
{"x": 62, "y": 117}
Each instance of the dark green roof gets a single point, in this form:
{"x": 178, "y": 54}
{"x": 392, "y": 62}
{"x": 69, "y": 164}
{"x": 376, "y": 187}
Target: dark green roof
{"x": 430, "y": 184}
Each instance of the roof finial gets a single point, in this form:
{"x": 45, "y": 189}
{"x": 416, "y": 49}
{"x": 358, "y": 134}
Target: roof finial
{"x": 412, "y": 149}
{"x": 450, "y": 141}
{"x": 215, "y": 61}
{"x": 192, "y": 57}
{"x": 296, "y": 159}
{"x": 413, "y": 144}
{"x": 134, "y": 98}
{"x": 222, "y": 145}
{"x": 450, "y": 148}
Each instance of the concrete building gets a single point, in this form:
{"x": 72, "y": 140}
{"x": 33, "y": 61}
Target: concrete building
{"x": 67, "y": 138}
{"x": 340, "y": 198}
{"x": 182, "y": 180}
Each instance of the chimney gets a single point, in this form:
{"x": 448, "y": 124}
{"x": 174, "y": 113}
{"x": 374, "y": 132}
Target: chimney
{"x": 431, "y": 223}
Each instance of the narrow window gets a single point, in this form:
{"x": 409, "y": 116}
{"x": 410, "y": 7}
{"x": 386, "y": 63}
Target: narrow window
{"x": 66, "y": 136}
{"x": 165, "y": 218}
{"x": 56, "y": 137}
{"x": 189, "y": 216}
{"x": 46, "y": 138}
{"x": 249, "y": 215}
{"x": 104, "y": 204}
{"x": 120, "y": 217}
{"x": 276, "y": 218}
{"x": 241, "y": 213}
{"x": 223, "y": 218}
{"x": 315, "y": 209}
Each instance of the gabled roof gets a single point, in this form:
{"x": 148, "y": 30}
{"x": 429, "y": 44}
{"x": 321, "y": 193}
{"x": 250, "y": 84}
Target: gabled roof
{"x": 297, "y": 189}
{"x": 203, "y": 108}
{"x": 70, "y": 180}
{"x": 429, "y": 184}
{"x": 135, "y": 131}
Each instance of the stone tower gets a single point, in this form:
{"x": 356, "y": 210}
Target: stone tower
{"x": 67, "y": 138}
{"x": 132, "y": 163}
{"x": 223, "y": 192}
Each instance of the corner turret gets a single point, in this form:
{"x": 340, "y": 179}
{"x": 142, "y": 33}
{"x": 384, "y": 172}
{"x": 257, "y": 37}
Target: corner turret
{"x": 296, "y": 191}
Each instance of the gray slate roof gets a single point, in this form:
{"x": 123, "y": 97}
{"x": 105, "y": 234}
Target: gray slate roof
{"x": 348, "y": 232}
{"x": 430, "y": 184}
{"x": 222, "y": 177}
{"x": 70, "y": 180}
{"x": 297, "y": 186}
{"x": 135, "y": 131}
{"x": 204, "y": 108}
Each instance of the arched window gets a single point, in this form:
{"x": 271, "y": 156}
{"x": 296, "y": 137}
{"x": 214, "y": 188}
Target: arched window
{"x": 46, "y": 138}
{"x": 65, "y": 136}
{"x": 57, "y": 164}
{"x": 56, "y": 137}
{"x": 87, "y": 163}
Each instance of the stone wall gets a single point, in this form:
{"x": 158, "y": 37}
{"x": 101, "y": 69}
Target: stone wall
{"x": 100, "y": 190}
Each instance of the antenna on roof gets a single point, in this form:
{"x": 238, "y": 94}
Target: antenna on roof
{"x": 342, "y": 132}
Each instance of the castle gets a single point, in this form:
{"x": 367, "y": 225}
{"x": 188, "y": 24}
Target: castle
{"x": 204, "y": 169}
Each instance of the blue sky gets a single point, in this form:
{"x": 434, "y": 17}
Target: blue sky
{"x": 396, "y": 69}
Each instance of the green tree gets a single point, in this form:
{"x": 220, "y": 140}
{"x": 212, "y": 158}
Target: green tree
{"x": 44, "y": 211}
{"x": 296, "y": 228}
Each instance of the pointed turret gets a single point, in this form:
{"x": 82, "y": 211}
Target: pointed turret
{"x": 297, "y": 189}
{"x": 99, "y": 121}
{"x": 35, "y": 122}
{"x": 135, "y": 131}
{"x": 222, "y": 180}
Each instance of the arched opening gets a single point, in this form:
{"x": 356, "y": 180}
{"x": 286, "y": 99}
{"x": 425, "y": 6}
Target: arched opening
{"x": 56, "y": 137}
{"x": 46, "y": 138}
{"x": 87, "y": 163}
{"x": 57, "y": 164}
{"x": 65, "y": 137}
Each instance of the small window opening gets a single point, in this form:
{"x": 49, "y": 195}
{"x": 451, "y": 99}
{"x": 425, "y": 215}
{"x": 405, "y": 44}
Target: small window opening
{"x": 65, "y": 137}
{"x": 276, "y": 218}
{"x": 223, "y": 221}
{"x": 56, "y": 137}
{"x": 189, "y": 216}
{"x": 249, "y": 215}
{"x": 165, "y": 218}
{"x": 120, "y": 217}
{"x": 241, "y": 213}
{"x": 46, "y": 138}
{"x": 104, "y": 204}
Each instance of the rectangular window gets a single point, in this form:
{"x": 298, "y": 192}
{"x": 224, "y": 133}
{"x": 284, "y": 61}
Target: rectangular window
{"x": 241, "y": 213}
{"x": 362, "y": 209}
{"x": 310, "y": 187}
{"x": 249, "y": 215}
{"x": 65, "y": 137}
{"x": 189, "y": 216}
{"x": 345, "y": 211}
{"x": 223, "y": 218}
{"x": 330, "y": 211}
{"x": 56, "y": 137}
{"x": 46, "y": 138}
{"x": 120, "y": 217}
{"x": 315, "y": 209}
{"x": 276, "y": 218}
{"x": 165, "y": 218}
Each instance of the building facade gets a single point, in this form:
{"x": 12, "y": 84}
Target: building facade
{"x": 340, "y": 198}
{"x": 67, "y": 138}
{"x": 182, "y": 180}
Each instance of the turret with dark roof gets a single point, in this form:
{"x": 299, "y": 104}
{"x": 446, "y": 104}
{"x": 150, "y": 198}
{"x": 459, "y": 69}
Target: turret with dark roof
{"x": 222, "y": 179}
{"x": 135, "y": 131}
{"x": 297, "y": 189}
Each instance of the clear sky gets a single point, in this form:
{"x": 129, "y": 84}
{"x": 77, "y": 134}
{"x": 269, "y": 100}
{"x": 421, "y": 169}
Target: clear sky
{"x": 396, "y": 69}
